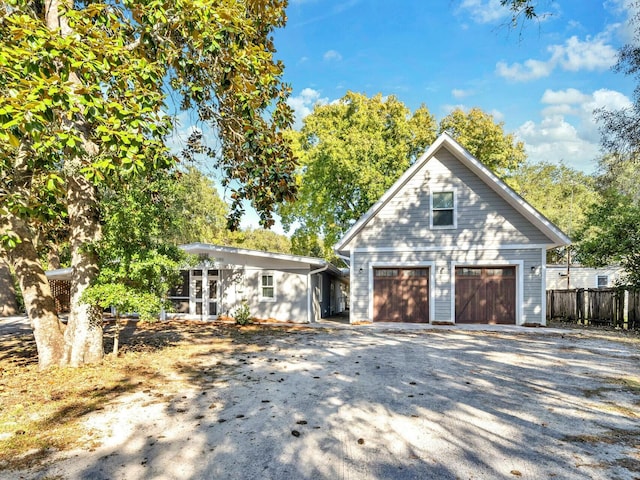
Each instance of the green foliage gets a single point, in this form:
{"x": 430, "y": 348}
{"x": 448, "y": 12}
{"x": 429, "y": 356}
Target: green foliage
{"x": 196, "y": 209}
{"x": 612, "y": 235}
{"x": 258, "y": 239}
{"x": 242, "y": 315}
{"x": 350, "y": 152}
{"x": 560, "y": 193}
{"x": 137, "y": 265}
{"x": 125, "y": 299}
{"x": 620, "y": 172}
{"x": 485, "y": 140}
{"x": 89, "y": 98}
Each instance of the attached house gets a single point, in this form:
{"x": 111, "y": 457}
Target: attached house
{"x": 274, "y": 285}
{"x": 449, "y": 243}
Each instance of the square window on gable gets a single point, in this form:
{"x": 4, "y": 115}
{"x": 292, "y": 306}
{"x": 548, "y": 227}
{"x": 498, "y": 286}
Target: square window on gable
{"x": 443, "y": 210}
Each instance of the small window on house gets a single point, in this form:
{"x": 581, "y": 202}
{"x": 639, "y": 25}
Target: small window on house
{"x": 443, "y": 209}
{"x": 267, "y": 287}
{"x": 603, "y": 281}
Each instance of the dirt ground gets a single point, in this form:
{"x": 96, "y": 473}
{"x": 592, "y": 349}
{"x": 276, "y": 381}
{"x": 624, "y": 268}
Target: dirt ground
{"x": 373, "y": 402}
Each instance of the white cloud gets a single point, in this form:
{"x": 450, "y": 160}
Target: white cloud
{"x": 568, "y": 130}
{"x": 570, "y": 95}
{"x": 628, "y": 9}
{"x": 483, "y": 11}
{"x": 530, "y": 70}
{"x": 554, "y": 140}
{"x": 459, "y": 93}
{"x": 303, "y": 104}
{"x": 592, "y": 54}
{"x": 332, "y": 56}
{"x": 574, "y": 55}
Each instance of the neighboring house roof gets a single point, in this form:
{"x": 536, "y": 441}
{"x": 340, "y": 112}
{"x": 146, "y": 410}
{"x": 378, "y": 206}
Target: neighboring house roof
{"x": 59, "y": 274}
{"x": 556, "y": 236}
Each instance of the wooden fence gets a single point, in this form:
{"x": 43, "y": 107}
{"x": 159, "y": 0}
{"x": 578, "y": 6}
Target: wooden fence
{"x": 614, "y": 307}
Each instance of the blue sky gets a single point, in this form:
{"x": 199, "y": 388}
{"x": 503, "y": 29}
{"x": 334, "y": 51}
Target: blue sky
{"x": 542, "y": 80}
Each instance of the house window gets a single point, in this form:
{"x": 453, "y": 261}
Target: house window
{"x": 443, "y": 214}
{"x": 267, "y": 287}
{"x": 602, "y": 281}
{"x": 179, "y": 294}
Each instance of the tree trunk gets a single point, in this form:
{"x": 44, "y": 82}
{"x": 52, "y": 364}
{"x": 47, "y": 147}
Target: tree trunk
{"x": 8, "y": 302}
{"x": 84, "y": 329}
{"x": 38, "y": 300}
{"x": 53, "y": 257}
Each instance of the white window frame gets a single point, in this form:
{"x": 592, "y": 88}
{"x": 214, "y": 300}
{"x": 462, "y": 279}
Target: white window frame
{"x": 598, "y": 277}
{"x": 455, "y": 210}
{"x": 261, "y": 287}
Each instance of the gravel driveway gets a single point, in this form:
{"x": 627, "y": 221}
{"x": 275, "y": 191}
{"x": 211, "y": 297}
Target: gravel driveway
{"x": 376, "y": 402}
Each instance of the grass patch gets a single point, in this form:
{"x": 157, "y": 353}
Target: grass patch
{"x": 44, "y": 412}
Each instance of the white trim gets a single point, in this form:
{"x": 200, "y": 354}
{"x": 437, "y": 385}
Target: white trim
{"x": 605, "y": 275}
{"x": 556, "y": 236}
{"x": 519, "y": 264}
{"x": 262, "y": 298}
{"x": 431, "y": 265}
{"x": 206, "y": 248}
{"x": 352, "y": 274}
{"x": 455, "y": 210}
{"x": 543, "y": 286}
{"x": 310, "y": 316}
{"x": 463, "y": 247}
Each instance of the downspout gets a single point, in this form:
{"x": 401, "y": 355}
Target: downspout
{"x": 309, "y": 296}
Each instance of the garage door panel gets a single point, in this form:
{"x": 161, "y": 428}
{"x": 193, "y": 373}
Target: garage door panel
{"x": 401, "y": 295}
{"x": 485, "y": 295}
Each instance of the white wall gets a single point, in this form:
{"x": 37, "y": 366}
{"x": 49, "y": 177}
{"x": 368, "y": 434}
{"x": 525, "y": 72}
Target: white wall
{"x": 580, "y": 277}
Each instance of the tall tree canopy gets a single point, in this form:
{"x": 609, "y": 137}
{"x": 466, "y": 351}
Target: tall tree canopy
{"x": 611, "y": 232}
{"x": 560, "y": 193}
{"x": 485, "y": 139}
{"x": 612, "y": 235}
{"x": 82, "y": 105}
{"x": 350, "y": 152}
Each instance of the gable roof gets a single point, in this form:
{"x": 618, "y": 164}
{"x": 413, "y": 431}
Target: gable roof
{"x": 557, "y": 237}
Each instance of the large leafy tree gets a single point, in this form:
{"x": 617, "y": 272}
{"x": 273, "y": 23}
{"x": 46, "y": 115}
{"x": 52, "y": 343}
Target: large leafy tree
{"x": 485, "y": 139}
{"x": 198, "y": 212}
{"x": 621, "y": 128}
{"x": 82, "y": 106}
{"x": 350, "y": 152}
{"x": 611, "y": 232}
{"x": 562, "y": 194}
{"x": 137, "y": 265}
{"x": 612, "y": 235}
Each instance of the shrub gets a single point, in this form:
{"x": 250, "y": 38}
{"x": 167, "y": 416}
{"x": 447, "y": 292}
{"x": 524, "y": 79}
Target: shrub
{"x": 242, "y": 315}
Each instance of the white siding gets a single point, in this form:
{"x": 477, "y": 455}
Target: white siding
{"x": 529, "y": 277}
{"x": 483, "y": 217}
{"x": 291, "y": 300}
{"x": 580, "y": 277}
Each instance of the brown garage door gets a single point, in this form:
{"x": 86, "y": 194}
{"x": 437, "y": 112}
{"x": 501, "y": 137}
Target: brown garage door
{"x": 486, "y": 295}
{"x": 401, "y": 295}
